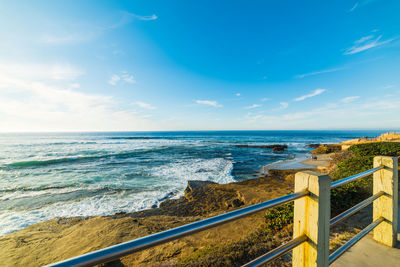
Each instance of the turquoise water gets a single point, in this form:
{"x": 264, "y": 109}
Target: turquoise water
{"x": 43, "y": 176}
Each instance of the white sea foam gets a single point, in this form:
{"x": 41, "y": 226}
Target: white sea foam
{"x": 217, "y": 170}
{"x": 172, "y": 178}
{"x": 34, "y": 193}
{"x": 175, "y": 177}
{"x": 93, "y": 206}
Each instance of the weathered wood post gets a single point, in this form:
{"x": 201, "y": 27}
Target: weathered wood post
{"x": 311, "y": 218}
{"x": 386, "y": 206}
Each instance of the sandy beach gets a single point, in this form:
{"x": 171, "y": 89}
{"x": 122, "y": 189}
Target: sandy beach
{"x": 299, "y": 162}
{"x": 321, "y": 161}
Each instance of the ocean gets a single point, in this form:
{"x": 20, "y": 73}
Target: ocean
{"x": 49, "y": 175}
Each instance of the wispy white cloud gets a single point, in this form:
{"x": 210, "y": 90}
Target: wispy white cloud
{"x": 333, "y": 115}
{"x": 49, "y": 105}
{"x": 140, "y": 17}
{"x": 349, "y": 99}
{"x": 74, "y": 85}
{"x": 363, "y": 39}
{"x": 209, "y": 103}
{"x": 359, "y": 4}
{"x": 253, "y": 106}
{"x": 45, "y": 107}
{"x": 354, "y": 7}
{"x": 376, "y": 106}
{"x": 124, "y": 76}
{"x": 38, "y": 72}
{"x": 67, "y": 38}
{"x": 127, "y": 77}
{"x": 127, "y": 18}
{"x": 389, "y": 86}
{"x": 238, "y": 94}
{"x": 265, "y": 99}
{"x": 145, "y": 105}
{"x": 284, "y": 105}
{"x": 318, "y": 72}
{"x": 315, "y": 93}
{"x": 366, "y": 43}
{"x": 84, "y": 32}
{"x": 114, "y": 79}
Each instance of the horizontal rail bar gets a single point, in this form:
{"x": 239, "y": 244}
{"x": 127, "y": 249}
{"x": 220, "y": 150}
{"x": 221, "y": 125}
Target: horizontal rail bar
{"x": 282, "y": 249}
{"x": 355, "y": 208}
{"x": 117, "y": 251}
{"x": 335, "y": 255}
{"x": 355, "y": 177}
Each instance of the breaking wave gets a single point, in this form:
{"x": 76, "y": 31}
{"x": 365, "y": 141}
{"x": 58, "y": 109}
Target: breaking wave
{"x": 32, "y": 163}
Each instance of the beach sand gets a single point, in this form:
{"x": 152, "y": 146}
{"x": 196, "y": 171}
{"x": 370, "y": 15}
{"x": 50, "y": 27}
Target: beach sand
{"x": 299, "y": 162}
{"x": 296, "y": 163}
{"x": 321, "y": 161}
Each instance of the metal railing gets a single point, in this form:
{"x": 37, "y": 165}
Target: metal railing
{"x": 355, "y": 177}
{"x": 355, "y": 208}
{"x": 281, "y": 250}
{"x": 117, "y": 251}
{"x": 335, "y": 255}
{"x": 344, "y": 215}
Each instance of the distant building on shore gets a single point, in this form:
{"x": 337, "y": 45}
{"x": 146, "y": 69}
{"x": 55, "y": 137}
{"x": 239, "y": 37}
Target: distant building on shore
{"x": 389, "y": 136}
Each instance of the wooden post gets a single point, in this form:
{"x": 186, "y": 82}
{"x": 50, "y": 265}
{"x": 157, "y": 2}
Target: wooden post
{"x": 386, "y": 206}
{"x": 311, "y": 218}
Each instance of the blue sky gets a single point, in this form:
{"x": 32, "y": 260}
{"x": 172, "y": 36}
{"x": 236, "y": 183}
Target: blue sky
{"x": 199, "y": 65}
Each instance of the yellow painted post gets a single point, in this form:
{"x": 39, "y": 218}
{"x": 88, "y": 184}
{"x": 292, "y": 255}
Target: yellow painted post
{"x": 386, "y": 206}
{"x": 311, "y": 218}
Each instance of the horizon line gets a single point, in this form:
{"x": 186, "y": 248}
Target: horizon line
{"x": 160, "y": 131}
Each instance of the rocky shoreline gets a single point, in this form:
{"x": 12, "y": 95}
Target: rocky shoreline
{"x": 62, "y": 238}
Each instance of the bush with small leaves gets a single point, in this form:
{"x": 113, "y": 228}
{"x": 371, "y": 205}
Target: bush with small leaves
{"x": 376, "y": 149}
{"x": 280, "y": 216}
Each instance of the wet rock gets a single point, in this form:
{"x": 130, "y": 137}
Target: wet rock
{"x": 195, "y": 187}
{"x": 313, "y": 145}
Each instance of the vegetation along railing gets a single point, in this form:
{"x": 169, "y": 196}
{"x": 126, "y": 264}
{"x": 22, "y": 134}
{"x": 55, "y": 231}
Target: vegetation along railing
{"x": 311, "y": 222}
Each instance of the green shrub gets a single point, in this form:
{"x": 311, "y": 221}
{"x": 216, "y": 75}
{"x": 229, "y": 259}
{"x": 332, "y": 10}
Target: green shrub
{"x": 237, "y": 253}
{"x": 376, "y": 149}
{"x": 348, "y": 195}
{"x": 352, "y": 166}
{"x": 341, "y": 156}
{"x": 280, "y": 216}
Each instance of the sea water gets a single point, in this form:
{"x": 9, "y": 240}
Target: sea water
{"x": 49, "y": 175}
